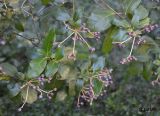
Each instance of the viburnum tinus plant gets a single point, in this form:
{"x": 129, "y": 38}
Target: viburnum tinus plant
{"x": 60, "y": 48}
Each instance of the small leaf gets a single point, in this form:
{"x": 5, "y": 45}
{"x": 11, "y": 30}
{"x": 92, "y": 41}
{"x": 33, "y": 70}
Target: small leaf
{"x": 59, "y": 53}
{"x": 98, "y": 85}
{"x": 146, "y": 71}
{"x": 45, "y": 2}
{"x": 19, "y": 26}
{"x": 99, "y": 64}
{"x": 14, "y": 89}
{"x": 36, "y": 67}
{"x": 121, "y": 23}
{"x": 51, "y": 69}
{"x": 48, "y": 42}
{"x": 9, "y": 69}
{"x": 32, "y": 94}
{"x": 107, "y": 43}
{"x": 4, "y": 77}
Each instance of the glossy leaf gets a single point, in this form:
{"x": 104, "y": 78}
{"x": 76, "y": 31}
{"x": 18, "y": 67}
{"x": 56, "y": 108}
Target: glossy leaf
{"x": 107, "y": 43}
{"x": 48, "y": 42}
{"x": 59, "y": 53}
{"x": 98, "y": 85}
{"x": 36, "y": 67}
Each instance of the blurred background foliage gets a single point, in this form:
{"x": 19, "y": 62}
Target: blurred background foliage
{"x": 26, "y": 31}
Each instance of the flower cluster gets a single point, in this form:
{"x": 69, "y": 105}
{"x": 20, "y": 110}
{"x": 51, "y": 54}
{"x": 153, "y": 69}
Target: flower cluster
{"x": 140, "y": 41}
{"x": 150, "y": 28}
{"x": 34, "y": 84}
{"x": 128, "y": 60}
{"x": 137, "y": 40}
{"x": 87, "y": 92}
{"x": 76, "y": 35}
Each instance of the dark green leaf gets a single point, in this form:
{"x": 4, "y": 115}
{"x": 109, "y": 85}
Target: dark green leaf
{"x": 48, "y": 42}
{"x": 36, "y": 67}
{"x": 19, "y": 26}
{"x": 45, "y": 2}
{"x": 98, "y": 85}
{"x": 59, "y": 53}
{"x": 107, "y": 43}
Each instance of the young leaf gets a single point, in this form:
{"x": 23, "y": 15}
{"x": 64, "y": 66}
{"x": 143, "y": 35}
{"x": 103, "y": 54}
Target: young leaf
{"x": 107, "y": 43}
{"x": 36, "y": 67}
{"x": 59, "y": 54}
{"x": 45, "y": 2}
{"x": 19, "y": 26}
{"x": 98, "y": 85}
{"x": 48, "y": 41}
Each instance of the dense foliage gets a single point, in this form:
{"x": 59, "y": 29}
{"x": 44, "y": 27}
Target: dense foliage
{"x": 79, "y": 57}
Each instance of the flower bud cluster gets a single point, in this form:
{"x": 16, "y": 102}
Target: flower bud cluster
{"x": 105, "y": 77}
{"x": 150, "y": 28}
{"x": 140, "y": 41}
{"x": 128, "y": 60}
{"x": 87, "y": 94}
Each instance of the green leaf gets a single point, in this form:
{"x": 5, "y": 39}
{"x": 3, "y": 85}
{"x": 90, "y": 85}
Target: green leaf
{"x": 51, "y": 69}
{"x": 36, "y": 67}
{"x": 98, "y": 85}
{"x": 45, "y": 2}
{"x": 9, "y": 69}
{"x": 139, "y": 14}
{"x": 120, "y": 35}
{"x": 144, "y": 22}
{"x": 130, "y": 5}
{"x": 62, "y": 15}
{"x": 99, "y": 64}
{"x": 14, "y": 89}
{"x": 59, "y": 53}
{"x": 147, "y": 71}
{"x": 19, "y": 26}
{"x": 121, "y": 23}
{"x": 100, "y": 20}
{"x": 72, "y": 84}
{"x": 107, "y": 43}
{"x": 64, "y": 71}
{"x": 4, "y": 77}
{"x": 29, "y": 94}
{"x": 48, "y": 42}
{"x": 67, "y": 72}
